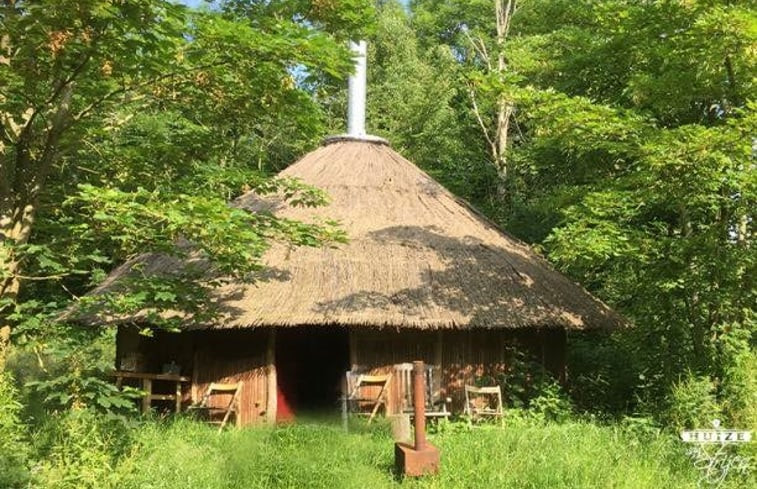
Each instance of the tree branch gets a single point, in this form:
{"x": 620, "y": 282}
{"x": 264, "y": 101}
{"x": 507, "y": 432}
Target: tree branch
{"x": 480, "y": 120}
{"x": 125, "y": 89}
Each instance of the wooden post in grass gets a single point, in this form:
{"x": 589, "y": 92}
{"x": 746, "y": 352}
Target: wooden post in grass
{"x": 422, "y": 458}
{"x": 419, "y": 404}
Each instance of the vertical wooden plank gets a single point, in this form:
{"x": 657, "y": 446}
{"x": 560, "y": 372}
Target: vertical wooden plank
{"x": 438, "y": 386}
{"x": 438, "y": 347}
{"x": 561, "y": 345}
{"x": 271, "y": 393}
{"x": 542, "y": 347}
{"x": 178, "y": 396}
{"x": 354, "y": 359}
{"x": 195, "y": 376}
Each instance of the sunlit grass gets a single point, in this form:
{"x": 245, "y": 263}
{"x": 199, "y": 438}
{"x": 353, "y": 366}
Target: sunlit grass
{"x": 319, "y": 454}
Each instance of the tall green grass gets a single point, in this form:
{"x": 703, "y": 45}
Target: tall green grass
{"x": 321, "y": 455}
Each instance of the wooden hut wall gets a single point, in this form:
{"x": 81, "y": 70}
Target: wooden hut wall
{"x": 205, "y": 357}
{"x": 233, "y": 356}
{"x": 462, "y": 356}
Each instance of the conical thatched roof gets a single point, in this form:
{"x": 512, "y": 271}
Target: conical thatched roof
{"x": 417, "y": 257}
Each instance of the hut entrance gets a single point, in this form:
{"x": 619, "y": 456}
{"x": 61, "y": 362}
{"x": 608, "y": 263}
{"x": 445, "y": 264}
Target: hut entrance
{"x": 310, "y": 365}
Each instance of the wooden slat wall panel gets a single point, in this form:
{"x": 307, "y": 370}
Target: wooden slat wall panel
{"x": 465, "y": 355}
{"x": 379, "y": 351}
{"x": 231, "y": 356}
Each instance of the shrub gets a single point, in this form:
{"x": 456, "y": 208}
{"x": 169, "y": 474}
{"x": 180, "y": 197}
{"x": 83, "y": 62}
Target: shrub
{"x": 79, "y": 449}
{"x": 692, "y": 403}
{"x": 13, "y": 447}
{"x": 739, "y": 391}
{"x": 604, "y": 372}
{"x": 552, "y": 404}
{"x": 527, "y": 385}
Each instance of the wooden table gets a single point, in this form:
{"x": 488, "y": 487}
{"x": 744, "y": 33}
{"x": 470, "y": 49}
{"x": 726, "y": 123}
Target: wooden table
{"x": 146, "y": 380}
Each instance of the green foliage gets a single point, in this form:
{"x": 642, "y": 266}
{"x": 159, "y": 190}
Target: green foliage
{"x": 14, "y": 451}
{"x": 739, "y": 394}
{"x": 410, "y": 91}
{"x": 78, "y": 449}
{"x": 631, "y": 169}
{"x": 551, "y": 404}
{"x": 69, "y": 368}
{"x": 692, "y": 403}
{"x": 528, "y": 390}
{"x": 602, "y": 375}
{"x": 127, "y": 128}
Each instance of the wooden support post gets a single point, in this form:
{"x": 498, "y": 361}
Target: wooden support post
{"x": 542, "y": 340}
{"x": 272, "y": 387}
{"x": 147, "y": 388}
{"x": 419, "y": 404}
{"x": 563, "y": 365}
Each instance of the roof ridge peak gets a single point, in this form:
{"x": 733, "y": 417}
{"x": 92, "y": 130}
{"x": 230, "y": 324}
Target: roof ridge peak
{"x": 363, "y": 138}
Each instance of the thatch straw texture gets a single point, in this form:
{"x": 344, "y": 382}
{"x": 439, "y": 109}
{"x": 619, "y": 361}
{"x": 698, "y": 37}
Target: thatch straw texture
{"x": 417, "y": 257}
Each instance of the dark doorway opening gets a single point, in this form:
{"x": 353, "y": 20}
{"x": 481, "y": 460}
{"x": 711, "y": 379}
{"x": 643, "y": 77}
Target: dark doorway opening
{"x": 310, "y": 365}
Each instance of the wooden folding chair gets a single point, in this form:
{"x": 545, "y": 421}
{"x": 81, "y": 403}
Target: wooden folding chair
{"x": 367, "y": 390}
{"x": 436, "y": 406}
{"x": 478, "y": 402}
{"x": 212, "y": 411}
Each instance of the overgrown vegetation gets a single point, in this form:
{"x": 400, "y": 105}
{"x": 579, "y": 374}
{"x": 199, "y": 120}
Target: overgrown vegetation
{"x": 14, "y": 449}
{"x": 87, "y": 452}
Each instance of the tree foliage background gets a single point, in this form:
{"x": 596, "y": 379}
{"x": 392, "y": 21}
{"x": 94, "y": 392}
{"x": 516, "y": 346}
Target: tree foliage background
{"x": 630, "y": 155}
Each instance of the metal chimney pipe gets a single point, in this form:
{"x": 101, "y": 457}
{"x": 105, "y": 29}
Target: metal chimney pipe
{"x": 419, "y": 404}
{"x": 357, "y": 91}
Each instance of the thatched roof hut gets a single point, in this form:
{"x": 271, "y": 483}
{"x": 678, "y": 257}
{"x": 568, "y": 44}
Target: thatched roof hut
{"x": 417, "y": 257}
{"x": 423, "y": 276}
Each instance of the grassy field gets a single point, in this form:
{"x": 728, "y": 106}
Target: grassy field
{"x": 321, "y": 455}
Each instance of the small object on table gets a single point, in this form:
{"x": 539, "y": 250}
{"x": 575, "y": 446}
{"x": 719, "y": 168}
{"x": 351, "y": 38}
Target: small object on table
{"x": 171, "y": 368}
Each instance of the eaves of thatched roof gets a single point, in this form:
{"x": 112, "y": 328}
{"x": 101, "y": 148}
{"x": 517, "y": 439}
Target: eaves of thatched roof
{"x": 417, "y": 257}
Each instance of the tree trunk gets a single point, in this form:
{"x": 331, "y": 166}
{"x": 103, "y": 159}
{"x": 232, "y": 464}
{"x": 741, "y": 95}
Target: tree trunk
{"x": 503, "y": 11}
{"x": 14, "y": 230}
